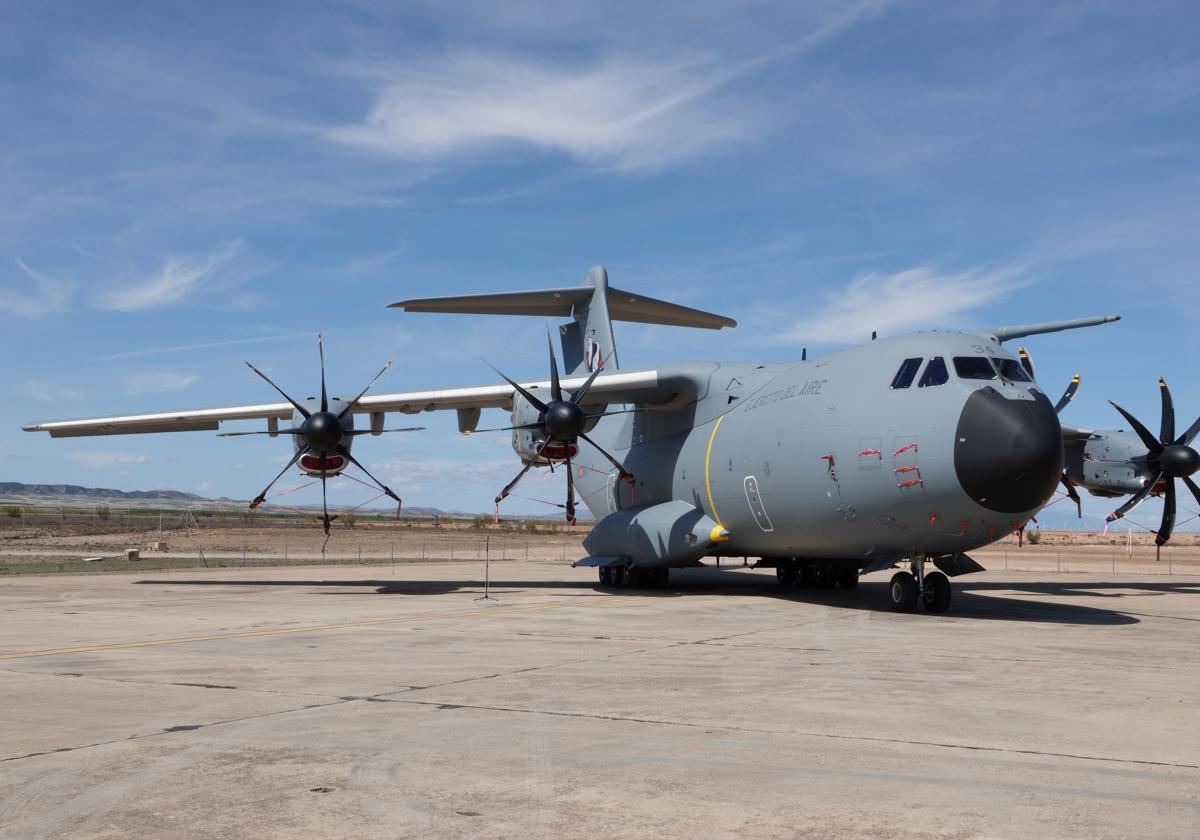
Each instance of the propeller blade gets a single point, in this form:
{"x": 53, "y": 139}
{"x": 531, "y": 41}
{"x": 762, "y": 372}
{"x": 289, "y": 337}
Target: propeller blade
{"x": 1151, "y": 443}
{"x": 304, "y": 412}
{"x": 582, "y": 392}
{"x": 1168, "y": 517}
{"x": 324, "y": 497}
{"x": 534, "y": 401}
{"x": 324, "y": 396}
{"x": 350, "y": 406}
{"x": 1187, "y": 437}
{"x": 262, "y": 497}
{"x": 1191, "y": 485}
{"x": 1072, "y": 494}
{"x": 570, "y": 492}
{"x": 1166, "y": 433}
{"x": 355, "y": 432}
{"x": 387, "y": 490}
{"x": 1068, "y": 395}
{"x": 525, "y": 427}
{"x": 1137, "y": 499}
{"x": 615, "y": 413}
{"x": 1026, "y": 362}
{"x": 625, "y": 474}
{"x": 555, "y": 385}
{"x": 279, "y": 432}
{"x": 508, "y": 488}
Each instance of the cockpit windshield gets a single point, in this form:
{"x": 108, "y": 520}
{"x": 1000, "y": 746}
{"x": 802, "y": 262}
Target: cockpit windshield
{"x": 974, "y": 367}
{"x": 1012, "y": 370}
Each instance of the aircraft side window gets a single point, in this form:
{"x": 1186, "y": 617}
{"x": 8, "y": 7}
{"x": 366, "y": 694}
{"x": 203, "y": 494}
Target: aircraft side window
{"x": 907, "y": 373}
{"x": 1011, "y": 370}
{"x": 974, "y": 367}
{"x": 935, "y": 373}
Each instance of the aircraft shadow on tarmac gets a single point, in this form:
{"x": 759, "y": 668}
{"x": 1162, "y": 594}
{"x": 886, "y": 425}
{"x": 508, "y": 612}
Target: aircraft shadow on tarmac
{"x": 970, "y": 602}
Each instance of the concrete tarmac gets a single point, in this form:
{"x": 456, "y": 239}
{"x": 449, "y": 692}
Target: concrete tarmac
{"x": 368, "y": 702}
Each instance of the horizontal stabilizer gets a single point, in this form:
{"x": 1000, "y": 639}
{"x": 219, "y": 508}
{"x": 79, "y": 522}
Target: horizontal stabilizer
{"x": 622, "y": 306}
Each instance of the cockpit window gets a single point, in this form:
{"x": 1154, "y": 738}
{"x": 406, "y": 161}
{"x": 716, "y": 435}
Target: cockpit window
{"x": 935, "y": 373}
{"x": 974, "y": 367}
{"x": 1012, "y": 370}
{"x": 907, "y": 373}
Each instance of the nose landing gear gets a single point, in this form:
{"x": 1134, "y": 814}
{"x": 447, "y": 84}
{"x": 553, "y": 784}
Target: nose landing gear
{"x": 910, "y": 588}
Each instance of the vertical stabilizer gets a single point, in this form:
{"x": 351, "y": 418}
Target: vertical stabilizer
{"x": 589, "y": 337}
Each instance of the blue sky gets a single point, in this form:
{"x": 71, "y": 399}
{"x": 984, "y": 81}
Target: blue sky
{"x": 190, "y": 185}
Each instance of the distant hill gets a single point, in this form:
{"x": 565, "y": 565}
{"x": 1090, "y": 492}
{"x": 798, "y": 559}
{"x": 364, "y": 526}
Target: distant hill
{"x": 59, "y": 491}
{"x": 73, "y": 495}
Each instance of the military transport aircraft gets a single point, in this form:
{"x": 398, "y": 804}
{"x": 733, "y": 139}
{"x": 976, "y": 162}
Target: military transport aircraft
{"x": 899, "y": 451}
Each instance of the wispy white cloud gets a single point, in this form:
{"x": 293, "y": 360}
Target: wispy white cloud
{"x": 43, "y": 390}
{"x": 34, "y": 294}
{"x": 157, "y": 383}
{"x": 179, "y": 278}
{"x": 103, "y": 460}
{"x": 917, "y": 297}
{"x": 623, "y": 112}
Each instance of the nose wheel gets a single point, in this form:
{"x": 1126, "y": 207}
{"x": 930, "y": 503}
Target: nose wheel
{"x": 908, "y": 589}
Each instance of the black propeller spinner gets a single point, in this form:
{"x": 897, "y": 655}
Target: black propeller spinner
{"x": 562, "y": 420}
{"x": 324, "y": 434}
{"x": 1168, "y": 457}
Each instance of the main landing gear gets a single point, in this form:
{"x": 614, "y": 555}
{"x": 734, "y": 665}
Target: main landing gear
{"x": 815, "y": 574}
{"x": 910, "y": 588}
{"x": 631, "y": 577}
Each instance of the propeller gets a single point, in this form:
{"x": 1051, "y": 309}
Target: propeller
{"x": 1063, "y": 402}
{"x": 562, "y": 420}
{"x": 322, "y": 433}
{"x": 1168, "y": 457}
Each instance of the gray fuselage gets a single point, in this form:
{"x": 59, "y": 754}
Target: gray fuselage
{"x": 826, "y": 459}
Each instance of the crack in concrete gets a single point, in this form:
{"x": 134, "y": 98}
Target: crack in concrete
{"x": 806, "y": 734}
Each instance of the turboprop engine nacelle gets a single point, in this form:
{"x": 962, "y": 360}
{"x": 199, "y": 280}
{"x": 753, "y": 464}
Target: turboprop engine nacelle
{"x": 527, "y": 443}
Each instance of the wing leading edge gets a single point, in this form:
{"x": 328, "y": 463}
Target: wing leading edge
{"x": 661, "y": 389}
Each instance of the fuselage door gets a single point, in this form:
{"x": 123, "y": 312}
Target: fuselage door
{"x": 756, "y": 505}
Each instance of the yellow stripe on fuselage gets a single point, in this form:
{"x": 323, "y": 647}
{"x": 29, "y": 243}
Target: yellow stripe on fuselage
{"x": 712, "y": 508}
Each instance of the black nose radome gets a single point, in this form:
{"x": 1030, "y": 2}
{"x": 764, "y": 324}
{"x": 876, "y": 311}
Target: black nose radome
{"x": 1008, "y": 453}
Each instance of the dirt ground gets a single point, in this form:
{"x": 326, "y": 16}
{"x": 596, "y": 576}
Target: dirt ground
{"x": 70, "y": 545}
{"x": 50, "y": 547}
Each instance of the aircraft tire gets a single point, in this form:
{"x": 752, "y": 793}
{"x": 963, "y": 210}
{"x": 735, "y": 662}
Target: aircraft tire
{"x": 824, "y": 577}
{"x": 848, "y": 579}
{"x": 620, "y": 576}
{"x": 807, "y": 576}
{"x": 937, "y": 593}
{"x": 662, "y": 578}
{"x": 786, "y": 574}
{"x": 606, "y": 576}
{"x": 635, "y": 578}
{"x": 902, "y": 593}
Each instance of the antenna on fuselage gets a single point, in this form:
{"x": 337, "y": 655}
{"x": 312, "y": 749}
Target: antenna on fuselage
{"x": 873, "y": 335}
{"x": 804, "y": 354}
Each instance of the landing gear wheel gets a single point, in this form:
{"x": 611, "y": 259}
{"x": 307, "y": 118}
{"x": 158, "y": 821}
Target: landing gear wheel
{"x": 823, "y": 577}
{"x": 606, "y": 576}
{"x": 807, "y": 576}
{"x": 903, "y": 592}
{"x": 620, "y": 576}
{"x": 634, "y": 578}
{"x": 848, "y": 579}
{"x": 937, "y": 593}
{"x": 662, "y": 577}
{"x": 786, "y": 575}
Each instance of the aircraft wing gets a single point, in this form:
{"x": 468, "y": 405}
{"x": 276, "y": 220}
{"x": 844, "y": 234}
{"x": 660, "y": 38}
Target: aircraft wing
{"x": 662, "y": 389}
